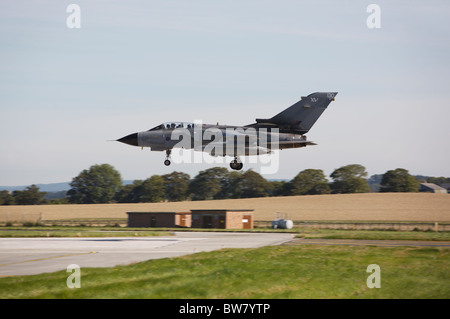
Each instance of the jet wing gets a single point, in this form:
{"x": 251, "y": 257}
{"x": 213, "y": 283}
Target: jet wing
{"x": 294, "y": 144}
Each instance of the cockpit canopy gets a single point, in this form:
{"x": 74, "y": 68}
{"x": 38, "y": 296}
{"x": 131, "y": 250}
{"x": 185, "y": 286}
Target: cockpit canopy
{"x": 173, "y": 125}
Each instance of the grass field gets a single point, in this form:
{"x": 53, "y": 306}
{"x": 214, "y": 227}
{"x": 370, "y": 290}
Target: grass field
{"x": 268, "y": 272}
{"x": 374, "y": 235}
{"x": 354, "y": 207}
{"x": 26, "y": 232}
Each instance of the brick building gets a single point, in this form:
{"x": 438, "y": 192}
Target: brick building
{"x": 222, "y": 218}
{"x": 199, "y": 218}
{"x": 159, "y": 219}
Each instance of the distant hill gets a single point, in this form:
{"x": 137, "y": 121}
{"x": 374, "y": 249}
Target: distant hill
{"x": 49, "y": 188}
{"x": 53, "y": 187}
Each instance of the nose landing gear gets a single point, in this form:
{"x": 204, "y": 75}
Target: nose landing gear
{"x": 167, "y": 161}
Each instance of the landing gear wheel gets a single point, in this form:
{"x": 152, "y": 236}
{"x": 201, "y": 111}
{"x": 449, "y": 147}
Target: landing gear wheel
{"x": 167, "y": 162}
{"x": 236, "y": 165}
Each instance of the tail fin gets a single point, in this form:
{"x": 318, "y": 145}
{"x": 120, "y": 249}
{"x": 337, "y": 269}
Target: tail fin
{"x": 301, "y": 116}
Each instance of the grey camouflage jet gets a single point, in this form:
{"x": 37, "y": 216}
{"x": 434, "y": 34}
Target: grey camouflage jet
{"x": 285, "y": 130}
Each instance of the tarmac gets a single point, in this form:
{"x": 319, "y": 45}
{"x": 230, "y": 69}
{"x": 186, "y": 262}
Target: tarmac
{"x": 29, "y": 256}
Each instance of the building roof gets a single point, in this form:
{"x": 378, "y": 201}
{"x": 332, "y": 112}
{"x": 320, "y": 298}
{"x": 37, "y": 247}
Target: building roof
{"x": 432, "y": 186}
{"x": 220, "y": 210}
{"x": 151, "y": 212}
{"x": 211, "y": 211}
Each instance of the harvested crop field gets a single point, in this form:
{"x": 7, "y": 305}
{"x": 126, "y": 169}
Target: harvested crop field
{"x": 343, "y": 207}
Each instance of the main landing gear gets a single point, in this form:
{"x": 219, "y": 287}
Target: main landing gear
{"x": 167, "y": 161}
{"x": 236, "y": 164}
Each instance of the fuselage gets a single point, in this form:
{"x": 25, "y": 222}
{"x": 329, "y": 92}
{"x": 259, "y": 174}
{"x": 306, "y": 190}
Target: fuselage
{"x": 218, "y": 140}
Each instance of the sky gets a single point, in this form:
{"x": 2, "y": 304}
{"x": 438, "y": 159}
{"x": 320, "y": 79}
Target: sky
{"x": 66, "y": 92}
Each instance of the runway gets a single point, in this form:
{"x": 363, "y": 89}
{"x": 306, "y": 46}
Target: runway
{"x": 28, "y": 256}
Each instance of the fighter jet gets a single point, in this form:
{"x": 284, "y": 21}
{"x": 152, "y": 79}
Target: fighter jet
{"x": 285, "y": 130}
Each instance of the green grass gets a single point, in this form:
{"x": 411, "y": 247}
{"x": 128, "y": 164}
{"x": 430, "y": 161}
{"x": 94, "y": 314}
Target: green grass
{"x": 374, "y": 234}
{"x": 67, "y": 231}
{"x": 268, "y": 272}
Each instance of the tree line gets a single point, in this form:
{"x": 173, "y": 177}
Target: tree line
{"x": 103, "y": 184}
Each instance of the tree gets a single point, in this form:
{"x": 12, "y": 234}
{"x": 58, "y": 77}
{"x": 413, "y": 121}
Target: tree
{"x": 128, "y": 193}
{"x": 230, "y": 186}
{"x": 207, "y": 183}
{"x": 349, "y": 179}
{"x": 30, "y": 196}
{"x": 399, "y": 180}
{"x": 176, "y": 185}
{"x": 439, "y": 180}
{"x": 152, "y": 190}
{"x": 6, "y": 198}
{"x": 309, "y": 182}
{"x": 278, "y": 188}
{"x": 98, "y": 184}
{"x": 253, "y": 184}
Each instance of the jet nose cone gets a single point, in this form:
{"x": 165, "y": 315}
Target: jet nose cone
{"x": 131, "y": 139}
